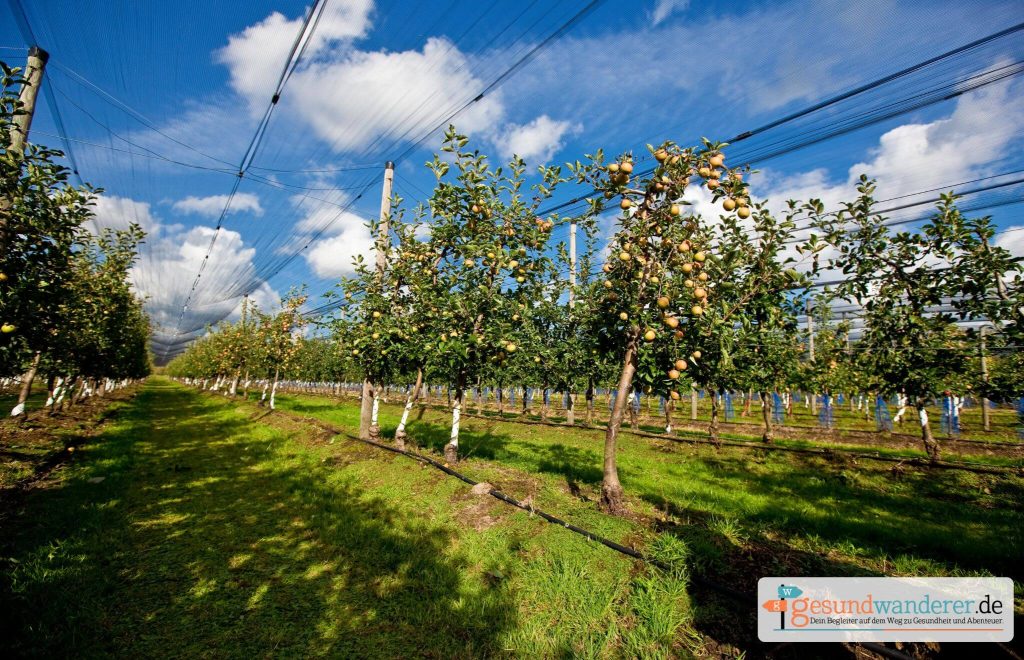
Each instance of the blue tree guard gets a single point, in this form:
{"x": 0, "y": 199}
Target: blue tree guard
{"x": 839, "y": 399}
{"x": 883, "y": 421}
{"x": 661, "y": 405}
{"x": 636, "y": 401}
{"x": 512, "y": 396}
{"x": 825, "y": 417}
{"x": 612, "y": 395}
{"x": 778, "y": 412}
{"x": 950, "y": 424}
{"x": 547, "y": 397}
{"x": 730, "y": 414}
{"x": 1020, "y": 418}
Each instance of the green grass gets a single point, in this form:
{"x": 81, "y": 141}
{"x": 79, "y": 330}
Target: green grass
{"x": 734, "y": 508}
{"x": 189, "y": 528}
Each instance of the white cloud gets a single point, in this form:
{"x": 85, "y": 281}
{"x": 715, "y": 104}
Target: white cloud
{"x": 536, "y": 141}
{"x": 665, "y": 8}
{"x": 918, "y": 156}
{"x": 213, "y": 206}
{"x": 257, "y": 55}
{"x": 342, "y": 236}
{"x": 1012, "y": 239}
{"x": 356, "y": 98}
{"x": 112, "y": 212}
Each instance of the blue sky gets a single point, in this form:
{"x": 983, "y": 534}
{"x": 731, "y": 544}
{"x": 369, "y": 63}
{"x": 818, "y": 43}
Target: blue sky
{"x": 139, "y": 85}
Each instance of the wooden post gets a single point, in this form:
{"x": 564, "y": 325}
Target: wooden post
{"x": 383, "y": 243}
{"x": 33, "y": 75}
{"x": 810, "y": 348}
{"x": 572, "y": 264}
{"x": 985, "y": 421}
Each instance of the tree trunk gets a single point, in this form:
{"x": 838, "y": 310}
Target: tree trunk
{"x": 451, "y": 450}
{"x": 746, "y": 403}
{"x": 234, "y": 384}
{"x": 526, "y": 401}
{"x": 413, "y": 395}
{"x": 611, "y": 489}
{"x": 273, "y": 390}
{"x": 545, "y": 408}
{"x": 374, "y": 425}
{"x": 931, "y": 447}
{"x": 570, "y": 408}
{"x": 26, "y": 387}
{"x": 366, "y": 410}
{"x": 668, "y": 415}
{"x": 766, "y": 418}
{"x": 590, "y": 403}
{"x": 713, "y": 426}
{"x": 501, "y": 400}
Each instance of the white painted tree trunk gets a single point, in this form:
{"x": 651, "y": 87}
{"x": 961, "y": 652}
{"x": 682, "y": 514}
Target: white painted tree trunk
{"x": 273, "y": 390}
{"x": 452, "y": 449}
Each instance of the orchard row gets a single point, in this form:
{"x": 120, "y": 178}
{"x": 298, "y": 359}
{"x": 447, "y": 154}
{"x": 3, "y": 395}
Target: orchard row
{"x": 67, "y": 311}
{"x": 469, "y": 290}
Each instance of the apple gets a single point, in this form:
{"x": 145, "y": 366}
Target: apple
{"x": 700, "y": 292}
{"x": 717, "y": 160}
{"x": 703, "y": 277}
{"x": 743, "y": 212}
{"x": 673, "y": 374}
{"x": 674, "y": 395}
{"x": 613, "y": 168}
{"x": 696, "y": 310}
{"x": 623, "y": 316}
{"x": 376, "y": 315}
{"x": 705, "y": 172}
{"x": 627, "y": 167}
{"x": 3, "y": 277}
{"x": 607, "y": 284}
{"x": 661, "y": 155}
{"x": 696, "y": 355}
{"x": 672, "y": 322}
{"x": 650, "y": 335}
{"x": 681, "y": 364}
{"x": 537, "y": 359}
{"x": 676, "y": 209}
{"x": 7, "y": 328}
{"x": 625, "y": 203}
{"x": 624, "y": 256}
{"x": 699, "y": 256}
{"x": 376, "y": 335}
{"x": 510, "y": 347}
{"x": 729, "y": 204}
{"x": 663, "y": 302}
{"x": 687, "y": 268}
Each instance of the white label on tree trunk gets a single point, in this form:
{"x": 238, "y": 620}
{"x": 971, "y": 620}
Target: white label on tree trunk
{"x": 405, "y": 415}
{"x": 376, "y": 407}
{"x": 18, "y": 410}
{"x": 924, "y": 417}
{"x": 456, "y": 413}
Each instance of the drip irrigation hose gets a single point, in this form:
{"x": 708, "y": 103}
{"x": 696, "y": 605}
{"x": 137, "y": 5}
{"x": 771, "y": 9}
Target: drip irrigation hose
{"x": 734, "y": 594}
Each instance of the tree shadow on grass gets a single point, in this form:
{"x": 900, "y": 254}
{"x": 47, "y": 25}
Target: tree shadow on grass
{"x": 204, "y": 538}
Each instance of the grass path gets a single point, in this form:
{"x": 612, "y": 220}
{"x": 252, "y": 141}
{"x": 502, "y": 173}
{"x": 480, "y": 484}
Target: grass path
{"x": 188, "y": 528}
{"x": 746, "y": 513}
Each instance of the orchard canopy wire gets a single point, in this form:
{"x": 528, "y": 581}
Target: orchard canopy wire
{"x": 250, "y": 146}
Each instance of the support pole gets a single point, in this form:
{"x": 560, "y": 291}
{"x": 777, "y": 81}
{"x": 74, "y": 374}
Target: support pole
{"x": 810, "y": 348}
{"x": 366, "y": 427}
{"x": 33, "y": 75}
{"x": 985, "y": 421}
{"x": 572, "y": 265}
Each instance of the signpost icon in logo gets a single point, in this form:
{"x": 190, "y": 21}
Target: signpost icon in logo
{"x": 785, "y": 591}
